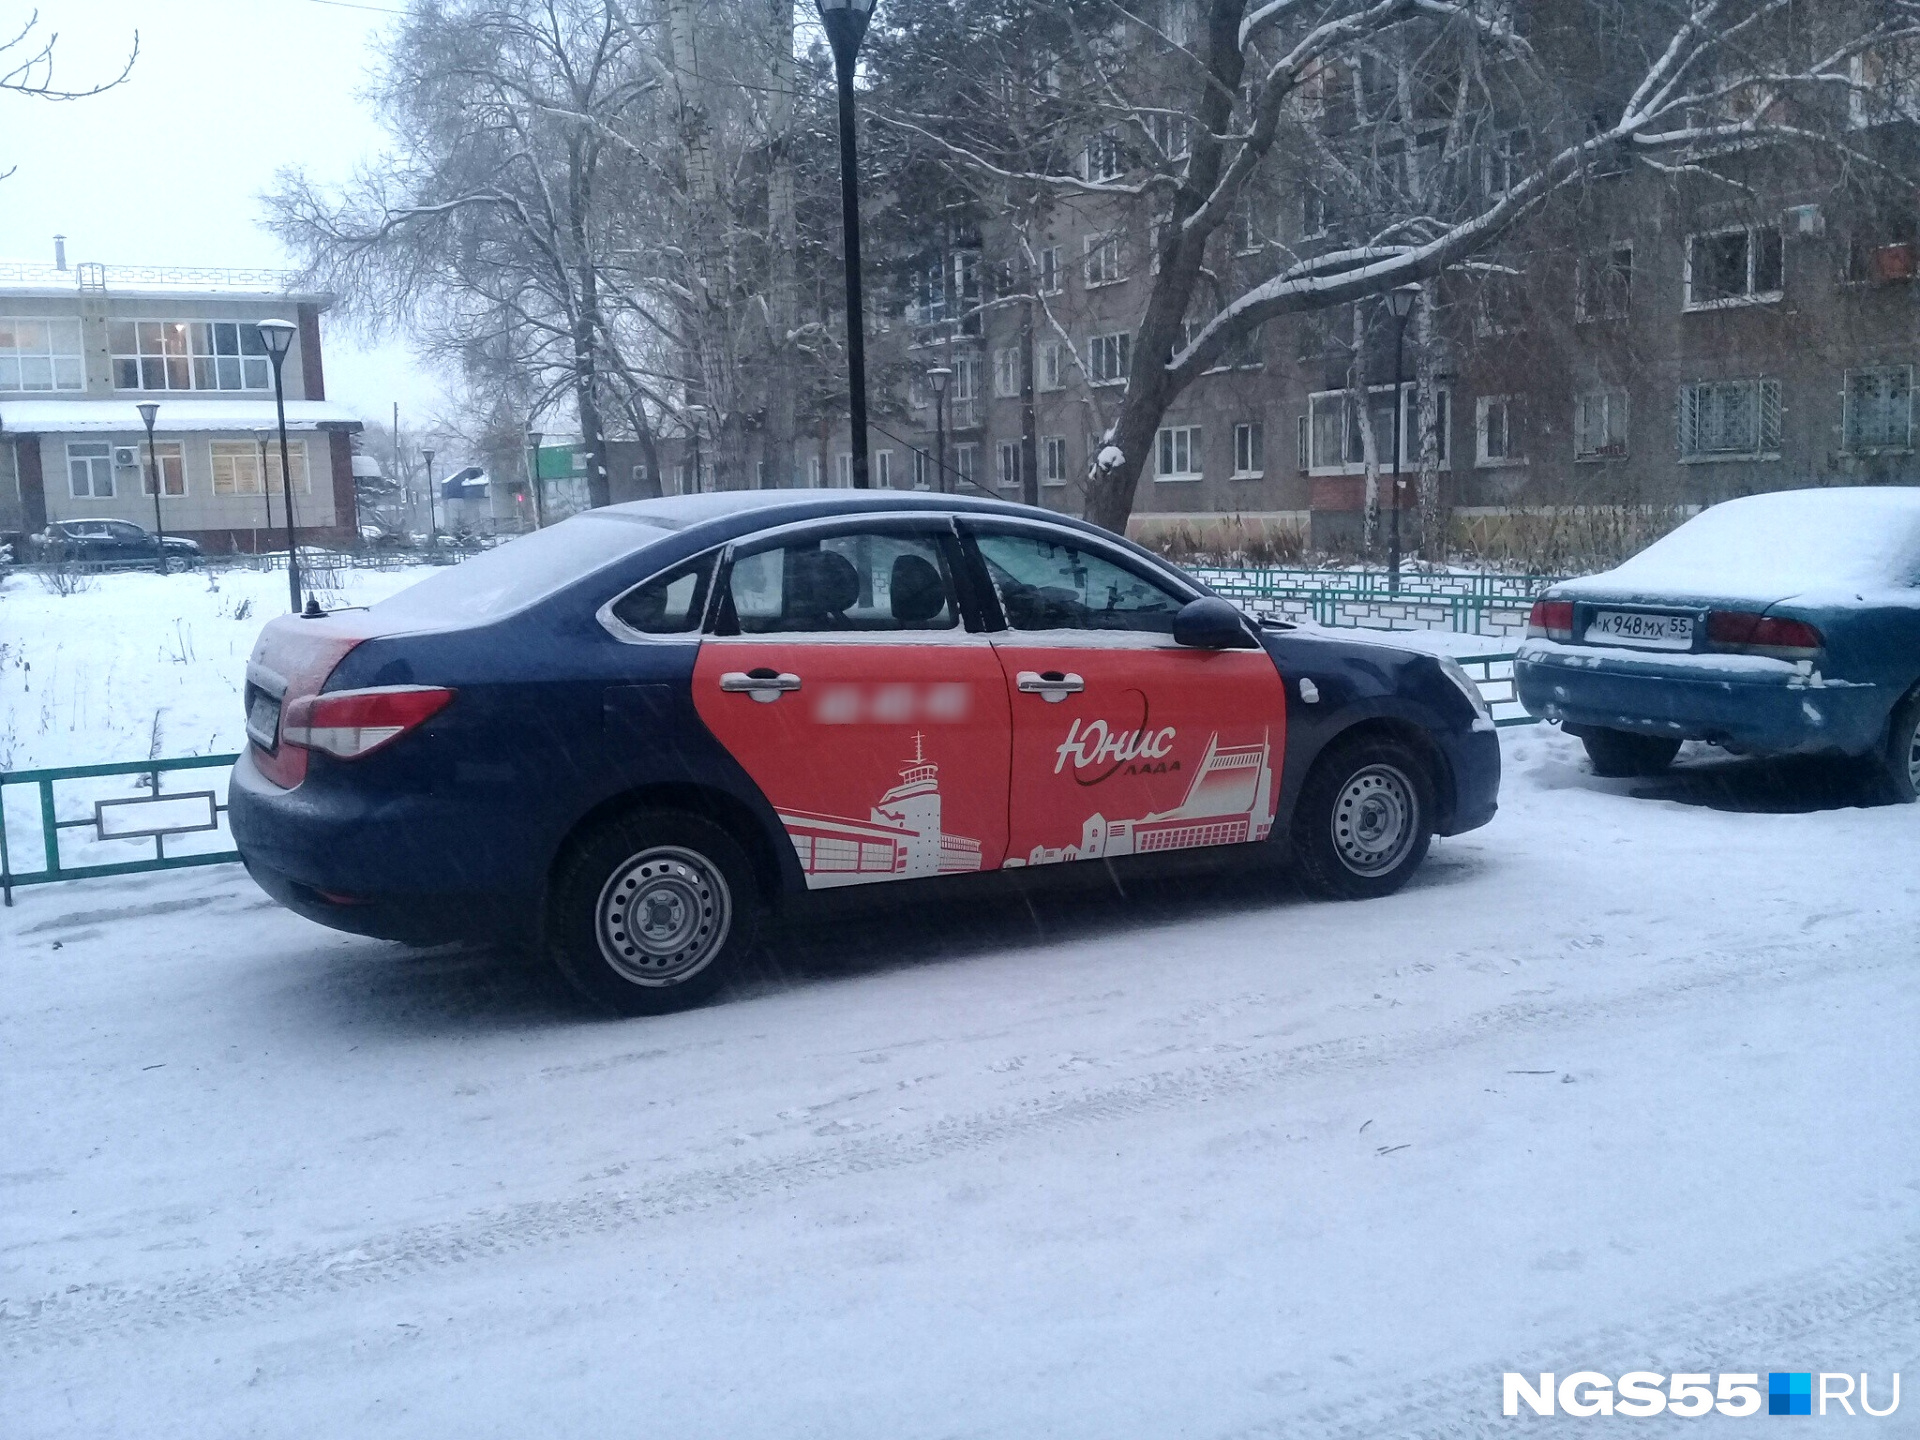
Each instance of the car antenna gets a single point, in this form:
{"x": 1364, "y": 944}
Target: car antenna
{"x": 313, "y": 610}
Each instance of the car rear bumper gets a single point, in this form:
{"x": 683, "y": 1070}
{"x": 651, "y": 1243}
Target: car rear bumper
{"x": 342, "y": 860}
{"x": 1744, "y": 703}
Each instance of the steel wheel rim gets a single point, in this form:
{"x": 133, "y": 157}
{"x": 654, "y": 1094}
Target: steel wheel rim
{"x": 662, "y": 916}
{"x": 1913, "y": 756}
{"x": 1376, "y": 819}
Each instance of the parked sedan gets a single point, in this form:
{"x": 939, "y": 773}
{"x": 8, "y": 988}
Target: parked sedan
{"x": 631, "y": 736}
{"x": 1777, "y": 624}
{"x": 114, "y": 543}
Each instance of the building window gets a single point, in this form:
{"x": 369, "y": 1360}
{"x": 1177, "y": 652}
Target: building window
{"x": 917, "y": 397}
{"x": 1102, "y": 264}
{"x": 1336, "y": 445}
{"x": 1600, "y": 425}
{"x": 236, "y": 467}
{"x": 170, "y": 459}
{"x": 1730, "y": 419}
{"x": 1496, "y": 428}
{"x": 1734, "y": 267}
{"x": 883, "y": 469}
{"x": 1052, "y": 367}
{"x": 1879, "y": 404}
{"x": 1604, "y": 285}
{"x": 1246, "y": 233}
{"x": 1179, "y": 453}
{"x": 1053, "y": 460}
{"x": 41, "y": 355}
{"x": 1009, "y": 464}
{"x": 922, "y": 470}
{"x": 966, "y": 290}
{"x": 1885, "y": 85}
{"x": 813, "y": 474}
{"x": 1110, "y": 358}
{"x": 188, "y": 355}
{"x": 1103, "y": 159}
{"x": 966, "y": 462}
{"x": 1172, "y": 134}
{"x": 90, "y": 469}
{"x": 1006, "y": 372}
{"x": 1505, "y": 161}
{"x": 1249, "y": 450}
{"x": 1050, "y": 270}
{"x": 843, "y": 470}
{"x": 931, "y": 302}
{"x": 966, "y": 378}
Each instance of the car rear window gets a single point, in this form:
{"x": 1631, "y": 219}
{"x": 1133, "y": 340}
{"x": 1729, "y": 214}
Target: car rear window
{"x": 510, "y": 577}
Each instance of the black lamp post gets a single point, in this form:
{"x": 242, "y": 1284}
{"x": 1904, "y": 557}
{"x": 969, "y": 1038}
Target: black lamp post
{"x": 938, "y": 377}
{"x": 277, "y": 336}
{"x": 433, "y": 525}
{"x": 533, "y": 478}
{"x": 845, "y": 22}
{"x": 1400, "y": 301}
{"x": 148, "y": 409}
{"x": 266, "y": 495}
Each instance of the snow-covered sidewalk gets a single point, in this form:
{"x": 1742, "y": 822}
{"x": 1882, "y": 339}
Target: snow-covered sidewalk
{"x": 1623, "y": 1081}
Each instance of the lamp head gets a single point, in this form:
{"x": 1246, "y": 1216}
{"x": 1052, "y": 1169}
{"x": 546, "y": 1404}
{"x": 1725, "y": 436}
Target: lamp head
{"x": 429, "y": 456}
{"x": 845, "y": 22}
{"x": 533, "y": 439}
{"x": 1401, "y": 300}
{"x": 148, "y": 409}
{"x": 277, "y": 336}
{"x": 263, "y": 435}
{"x": 937, "y": 377}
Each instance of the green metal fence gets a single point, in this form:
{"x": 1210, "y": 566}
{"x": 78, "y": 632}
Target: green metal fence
{"x": 1494, "y": 675}
{"x": 1471, "y": 604}
{"x": 133, "y": 819}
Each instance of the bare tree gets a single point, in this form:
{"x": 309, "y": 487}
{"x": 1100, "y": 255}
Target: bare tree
{"x": 26, "y": 68}
{"x": 1268, "y": 91}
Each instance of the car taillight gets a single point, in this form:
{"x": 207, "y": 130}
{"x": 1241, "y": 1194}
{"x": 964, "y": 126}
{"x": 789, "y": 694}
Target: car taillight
{"x": 1763, "y": 634}
{"x": 350, "y": 723}
{"x": 1551, "y": 620}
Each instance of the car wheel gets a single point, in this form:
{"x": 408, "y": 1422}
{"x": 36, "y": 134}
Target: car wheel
{"x": 1617, "y": 754}
{"x": 652, "y": 912}
{"x": 1899, "y": 763}
{"x": 178, "y": 564}
{"x": 1364, "y": 820}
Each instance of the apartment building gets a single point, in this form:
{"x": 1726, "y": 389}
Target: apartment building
{"x": 82, "y": 346}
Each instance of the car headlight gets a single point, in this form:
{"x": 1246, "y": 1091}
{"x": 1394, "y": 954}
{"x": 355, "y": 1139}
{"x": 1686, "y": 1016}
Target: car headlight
{"x": 1453, "y": 670}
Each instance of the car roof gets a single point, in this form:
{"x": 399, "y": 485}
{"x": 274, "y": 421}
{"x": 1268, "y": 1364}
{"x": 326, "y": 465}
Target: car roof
{"x": 750, "y": 510}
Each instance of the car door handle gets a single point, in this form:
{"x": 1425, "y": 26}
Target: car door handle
{"x": 762, "y": 684}
{"x": 1053, "y": 686}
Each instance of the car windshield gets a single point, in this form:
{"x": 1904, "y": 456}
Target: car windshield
{"x": 1785, "y": 543}
{"x": 512, "y": 576}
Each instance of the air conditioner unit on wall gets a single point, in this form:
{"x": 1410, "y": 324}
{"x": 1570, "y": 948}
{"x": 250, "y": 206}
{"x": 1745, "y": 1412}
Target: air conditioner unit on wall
{"x": 127, "y": 457}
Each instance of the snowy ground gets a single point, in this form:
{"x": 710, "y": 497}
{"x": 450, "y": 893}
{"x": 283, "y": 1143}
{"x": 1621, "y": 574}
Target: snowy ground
{"x": 1625, "y": 1080}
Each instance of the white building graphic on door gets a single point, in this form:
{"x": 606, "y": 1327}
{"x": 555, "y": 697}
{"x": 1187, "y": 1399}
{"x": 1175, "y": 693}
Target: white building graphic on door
{"x": 1229, "y": 802}
{"x": 901, "y": 838}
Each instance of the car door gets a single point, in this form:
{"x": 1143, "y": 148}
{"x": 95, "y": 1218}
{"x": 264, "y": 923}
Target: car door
{"x": 127, "y": 544}
{"x": 842, "y": 675}
{"x": 1124, "y": 742}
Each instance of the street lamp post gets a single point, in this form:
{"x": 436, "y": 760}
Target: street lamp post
{"x": 533, "y": 478}
{"x": 845, "y": 22}
{"x": 694, "y": 415}
{"x": 938, "y": 377}
{"x": 433, "y": 524}
{"x": 260, "y": 438}
{"x": 1400, "y": 301}
{"x": 277, "y": 336}
{"x": 148, "y": 410}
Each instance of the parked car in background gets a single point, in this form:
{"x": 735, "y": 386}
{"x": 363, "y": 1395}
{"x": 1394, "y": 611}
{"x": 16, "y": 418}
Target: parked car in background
{"x": 1786, "y": 623}
{"x": 630, "y": 735}
{"x": 112, "y": 543}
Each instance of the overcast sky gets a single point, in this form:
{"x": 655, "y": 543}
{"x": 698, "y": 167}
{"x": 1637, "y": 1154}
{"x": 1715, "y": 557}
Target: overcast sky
{"x": 168, "y": 169}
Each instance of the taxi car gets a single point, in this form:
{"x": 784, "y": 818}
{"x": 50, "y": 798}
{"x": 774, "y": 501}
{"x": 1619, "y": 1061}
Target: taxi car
{"x": 634, "y": 736}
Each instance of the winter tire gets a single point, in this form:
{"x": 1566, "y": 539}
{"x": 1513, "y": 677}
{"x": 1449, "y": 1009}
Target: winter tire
{"x": 1899, "y": 763}
{"x": 651, "y": 912}
{"x": 1618, "y": 754}
{"x": 1364, "y": 820}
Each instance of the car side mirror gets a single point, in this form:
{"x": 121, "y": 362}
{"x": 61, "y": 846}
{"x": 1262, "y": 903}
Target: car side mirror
{"x": 1210, "y": 623}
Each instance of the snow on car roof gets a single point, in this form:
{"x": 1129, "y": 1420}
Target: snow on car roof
{"x": 1788, "y": 542}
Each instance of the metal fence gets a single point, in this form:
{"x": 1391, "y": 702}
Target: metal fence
{"x": 1494, "y": 675}
{"x": 102, "y": 821}
{"x": 1472, "y": 604}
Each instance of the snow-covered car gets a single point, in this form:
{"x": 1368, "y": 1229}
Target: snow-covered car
{"x": 1785, "y": 623}
{"x": 110, "y": 543}
{"x": 629, "y": 736}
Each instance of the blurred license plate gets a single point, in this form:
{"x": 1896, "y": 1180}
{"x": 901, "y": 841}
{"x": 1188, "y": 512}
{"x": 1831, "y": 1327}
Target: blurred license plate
{"x": 1637, "y": 627}
{"x": 263, "y": 720}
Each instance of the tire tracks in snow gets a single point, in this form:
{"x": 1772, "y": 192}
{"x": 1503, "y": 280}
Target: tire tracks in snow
{"x": 1790, "y": 1320}
{"x": 83, "y": 1312}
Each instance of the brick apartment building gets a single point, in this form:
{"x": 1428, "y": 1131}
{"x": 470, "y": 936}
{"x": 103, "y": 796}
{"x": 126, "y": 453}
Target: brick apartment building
{"x": 81, "y": 346}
